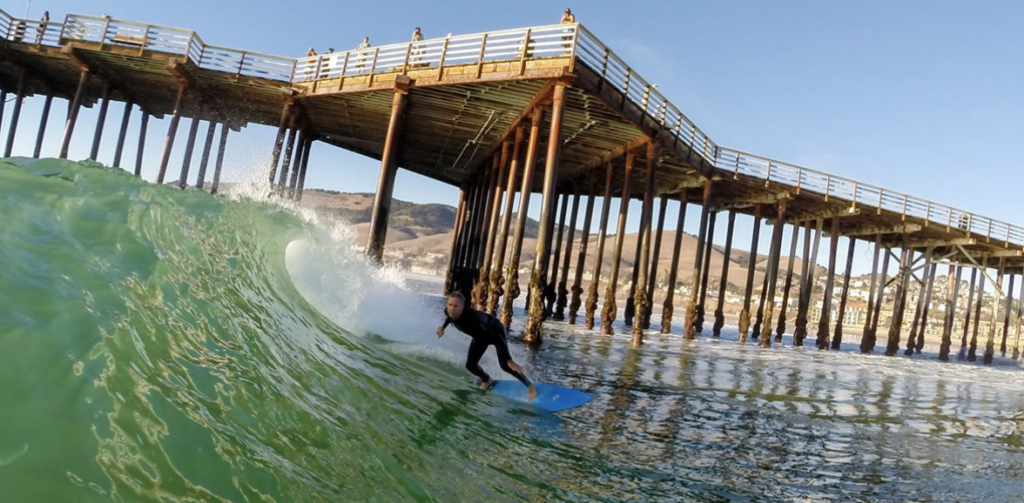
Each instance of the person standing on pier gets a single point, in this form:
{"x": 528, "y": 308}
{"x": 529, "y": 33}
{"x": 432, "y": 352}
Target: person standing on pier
{"x": 486, "y": 330}
{"x": 365, "y": 44}
{"x": 41, "y": 30}
{"x": 310, "y": 63}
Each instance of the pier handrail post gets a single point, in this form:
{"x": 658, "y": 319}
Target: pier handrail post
{"x": 188, "y": 46}
{"x": 575, "y": 39}
{"x": 526, "y": 50}
{"x": 63, "y": 26}
{"x": 440, "y": 64}
{"x": 103, "y": 37}
{"x": 480, "y": 56}
{"x": 405, "y": 64}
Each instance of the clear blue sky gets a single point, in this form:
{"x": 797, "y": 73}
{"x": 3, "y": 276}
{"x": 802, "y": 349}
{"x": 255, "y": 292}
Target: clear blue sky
{"x": 918, "y": 96}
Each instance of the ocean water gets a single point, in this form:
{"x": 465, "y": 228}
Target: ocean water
{"x": 159, "y": 345}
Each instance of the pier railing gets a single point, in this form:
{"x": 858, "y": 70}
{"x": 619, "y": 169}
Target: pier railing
{"x": 729, "y": 162}
{"x": 561, "y": 40}
{"x": 478, "y": 48}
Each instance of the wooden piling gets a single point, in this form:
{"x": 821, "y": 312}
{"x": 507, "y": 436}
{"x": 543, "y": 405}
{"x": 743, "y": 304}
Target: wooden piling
{"x": 122, "y": 133}
{"x": 172, "y": 131}
{"x": 44, "y": 118}
{"x": 630, "y": 310}
{"x": 602, "y": 234}
{"x": 872, "y": 338}
{"x": 705, "y": 276}
{"x": 990, "y": 342}
{"x": 899, "y": 306}
{"x": 302, "y": 173}
{"x": 807, "y": 286}
{"x": 912, "y": 341}
{"x": 222, "y": 147}
{"x": 1006, "y": 316}
{"x": 967, "y": 313}
{"x": 142, "y": 143}
{"x": 830, "y": 281}
{"x": 492, "y": 226}
{"x": 691, "y": 308}
{"x": 652, "y": 278}
{"x": 483, "y": 226}
{"x": 972, "y": 352}
{"x": 755, "y": 331}
{"x": 581, "y": 259}
{"x": 512, "y": 272}
{"x": 386, "y": 179}
{"x": 460, "y": 215}
{"x": 610, "y": 310}
{"x": 744, "y": 325}
{"x": 927, "y": 306}
{"x": 551, "y": 283}
{"x": 646, "y": 215}
{"x": 781, "y": 328}
{"x": 204, "y": 161}
{"x": 497, "y": 280}
{"x": 100, "y": 122}
{"x": 16, "y": 113}
{"x": 673, "y": 272}
{"x": 563, "y": 289}
{"x": 837, "y": 339}
{"x": 300, "y": 159}
{"x": 866, "y": 331}
{"x": 550, "y": 177}
{"x": 723, "y": 283}
{"x": 282, "y": 128}
{"x": 952, "y": 294}
{"x": 190, "y": 146}
{"x": 1020, "y": 319}
{"x": 76, "y": 104}
{"x": 286, "y": 163}
{"x": 774, "y": 252}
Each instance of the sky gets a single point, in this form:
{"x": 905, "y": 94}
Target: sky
{"x": 923, "y": 97}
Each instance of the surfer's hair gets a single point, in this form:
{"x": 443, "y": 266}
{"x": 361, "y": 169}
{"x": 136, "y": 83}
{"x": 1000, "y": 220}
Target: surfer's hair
{"x": 458, "y": 295}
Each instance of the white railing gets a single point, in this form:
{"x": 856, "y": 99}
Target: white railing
{"x": 614, "y": 72}
{"x": 640, "y": 93}
{"x": 478, "y": 48}
{"x": 864, "y": 196}
{"x": 506, "y": 46}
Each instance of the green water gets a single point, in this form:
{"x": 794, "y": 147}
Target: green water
{"x": 164, "y": 345}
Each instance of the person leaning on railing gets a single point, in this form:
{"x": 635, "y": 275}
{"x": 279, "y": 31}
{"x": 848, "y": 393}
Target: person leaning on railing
{"x": 417, "y": 49}
{"x": 568, "y": 18}
{"x": 310, "y": 63}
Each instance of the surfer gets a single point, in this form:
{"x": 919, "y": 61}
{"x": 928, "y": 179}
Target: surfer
{"x": 485, "y": 331}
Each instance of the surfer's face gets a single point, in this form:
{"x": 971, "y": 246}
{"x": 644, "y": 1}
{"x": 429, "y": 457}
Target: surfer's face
{"x": 454, "y": 308}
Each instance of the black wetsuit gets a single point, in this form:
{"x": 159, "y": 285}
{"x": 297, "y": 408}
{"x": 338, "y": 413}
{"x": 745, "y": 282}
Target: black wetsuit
{"x": 485, "y": 331}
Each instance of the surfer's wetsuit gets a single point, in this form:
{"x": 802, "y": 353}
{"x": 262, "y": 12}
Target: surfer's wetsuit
{"x": 485, "y": 330}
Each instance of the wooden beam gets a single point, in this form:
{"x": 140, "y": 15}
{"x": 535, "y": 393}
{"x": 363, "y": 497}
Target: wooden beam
{"x": 617, "y": 153}
{"x": 933, "y": 243}
{"x": 880, "y": 229}
{"x": 825, "y": 214}
{"x": 74, "y": 55}
{"x": 750, "y": 202}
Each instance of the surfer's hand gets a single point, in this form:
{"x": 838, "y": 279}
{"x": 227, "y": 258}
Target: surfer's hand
{"x": 440, "y": 332}
{"x": 515, "y": 366}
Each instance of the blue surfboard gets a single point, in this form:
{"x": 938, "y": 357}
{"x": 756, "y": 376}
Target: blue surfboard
{"x": 550, "y": 397}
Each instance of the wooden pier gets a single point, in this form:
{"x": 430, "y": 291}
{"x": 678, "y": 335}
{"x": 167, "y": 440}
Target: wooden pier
{"x": 548, "y": 111}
